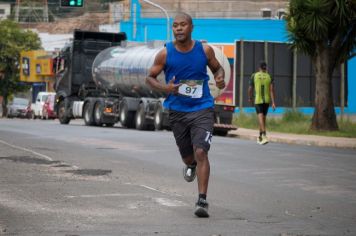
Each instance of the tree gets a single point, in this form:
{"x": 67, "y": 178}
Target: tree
{"x": 12, "y": 41}
{"x": 326, "y": 31}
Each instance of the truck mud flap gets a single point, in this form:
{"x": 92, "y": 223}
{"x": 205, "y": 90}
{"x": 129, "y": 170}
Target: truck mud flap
{"x": 225, "y": 126}
{"x": 223, "y": 129}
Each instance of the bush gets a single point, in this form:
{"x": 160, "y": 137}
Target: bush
{"x": 294, "y": 116}
{"x": 246, "y": 120}
{"x": 294, "y": 121}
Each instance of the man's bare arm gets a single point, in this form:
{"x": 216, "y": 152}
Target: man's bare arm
{"x": 155, "y": 70}
{"x": 272, "y": 92}
{"x": 215, "y": 67}
{"x": 250, "y": 94}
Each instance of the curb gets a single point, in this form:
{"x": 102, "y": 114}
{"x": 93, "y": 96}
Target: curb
{"x": 307, "y": 140}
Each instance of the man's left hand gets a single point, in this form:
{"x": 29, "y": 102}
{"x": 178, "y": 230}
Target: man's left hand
{"x": 220, "y": 82}
{"x": 273, "y": 106}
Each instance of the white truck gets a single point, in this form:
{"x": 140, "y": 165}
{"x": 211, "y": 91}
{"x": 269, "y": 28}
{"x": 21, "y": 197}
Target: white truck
{"x": 37, "y": 106}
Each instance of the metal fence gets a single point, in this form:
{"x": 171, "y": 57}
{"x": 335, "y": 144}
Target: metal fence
{"x": 292, "y": 73}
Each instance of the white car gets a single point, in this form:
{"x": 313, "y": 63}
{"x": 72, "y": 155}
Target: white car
{"x": 38, "y": 105}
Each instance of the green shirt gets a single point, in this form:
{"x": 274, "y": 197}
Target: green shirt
{"x": 261, "y": 81}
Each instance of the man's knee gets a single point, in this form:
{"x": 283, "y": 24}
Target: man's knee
{"x": 200, "y": 154}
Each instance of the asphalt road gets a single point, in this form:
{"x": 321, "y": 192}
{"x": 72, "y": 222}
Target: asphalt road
{"x": 74, "y": 180}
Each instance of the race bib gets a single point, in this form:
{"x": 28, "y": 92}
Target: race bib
{"x": 191, "y": 88}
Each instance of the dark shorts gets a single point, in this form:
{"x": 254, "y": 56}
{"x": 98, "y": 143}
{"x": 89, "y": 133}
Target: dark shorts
{"x": 262, "y": 108}
{"x": 192, "y": 130}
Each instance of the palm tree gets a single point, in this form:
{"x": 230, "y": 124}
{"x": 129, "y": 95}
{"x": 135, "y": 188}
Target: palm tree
{"x": 326, "y": 31}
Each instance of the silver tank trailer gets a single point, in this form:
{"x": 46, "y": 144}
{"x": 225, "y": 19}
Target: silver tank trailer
{"x": 124, "y": 70}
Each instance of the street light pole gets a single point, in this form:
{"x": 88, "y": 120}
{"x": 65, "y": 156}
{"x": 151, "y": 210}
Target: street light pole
{"x": 164, "y": 11}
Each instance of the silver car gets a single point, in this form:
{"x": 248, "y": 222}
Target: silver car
{"x": 18, "y": 107}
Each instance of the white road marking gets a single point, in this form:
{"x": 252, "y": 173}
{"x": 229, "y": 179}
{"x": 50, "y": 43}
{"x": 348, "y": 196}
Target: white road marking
{"x": 156, "y": 190}
{"x": 27, "y": 150}
{"x": 163, "y": 201}
{"x": 169, "y": 202}
{"x": 103, "y": 195}
{"x": 150, "y": 188}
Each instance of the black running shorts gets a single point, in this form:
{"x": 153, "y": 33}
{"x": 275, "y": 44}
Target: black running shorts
{"x": 262, "y": 108}
{"x": 192, "y": 130}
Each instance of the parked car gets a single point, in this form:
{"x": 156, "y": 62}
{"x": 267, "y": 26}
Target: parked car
{"x": 37, "y": 107}
{"x": 19, "y": 107}
{"x": 48, "y": 111}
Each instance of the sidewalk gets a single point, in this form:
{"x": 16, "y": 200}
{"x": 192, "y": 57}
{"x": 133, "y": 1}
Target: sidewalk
{"x": 310, "y": 140}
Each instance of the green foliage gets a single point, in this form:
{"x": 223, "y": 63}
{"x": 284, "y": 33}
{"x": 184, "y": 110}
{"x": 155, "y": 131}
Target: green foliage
{"x": 244, "y": 120}
{"x": 347, "y": 128}
{"x": 326, "y": 31}
{"x": 327, "y": 22}
{"x": 294, "y": 116}
{"x": 12, "y": 41}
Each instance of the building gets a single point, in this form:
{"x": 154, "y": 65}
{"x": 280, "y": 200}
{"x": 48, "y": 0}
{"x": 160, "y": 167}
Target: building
{"x": 37, "y": 68}
{"x": 54, "y": 42}
{"x": 5, "y": 10}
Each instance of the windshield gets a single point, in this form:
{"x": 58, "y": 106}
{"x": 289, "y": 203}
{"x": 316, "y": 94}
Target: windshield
{"x": 20, "y": 101}
{"x": 44, "y": 97}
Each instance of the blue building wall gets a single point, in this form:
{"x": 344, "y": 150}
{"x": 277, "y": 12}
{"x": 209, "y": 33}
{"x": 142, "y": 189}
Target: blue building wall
{"x": 226, "y": 31}
{"x": 351, "y": 97}
{"x": 212, "y": 30}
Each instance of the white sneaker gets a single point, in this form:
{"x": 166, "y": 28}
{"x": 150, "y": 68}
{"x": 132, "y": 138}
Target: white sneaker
{"x": 189, "y": 173}
{"x": 264, "y": 140}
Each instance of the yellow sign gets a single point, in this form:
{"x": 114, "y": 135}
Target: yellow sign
{"x": 36, "y": 66}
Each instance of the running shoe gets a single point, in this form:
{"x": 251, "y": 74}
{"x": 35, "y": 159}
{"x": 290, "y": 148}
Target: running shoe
{"x": 259, "y": 139}
{"x": 189, "y": 173}
{"x": 201, "y": 208}
{"x": 264, "y": 140}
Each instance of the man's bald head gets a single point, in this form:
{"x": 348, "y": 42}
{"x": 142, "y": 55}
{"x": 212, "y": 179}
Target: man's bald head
{"x": 185, "y": 16}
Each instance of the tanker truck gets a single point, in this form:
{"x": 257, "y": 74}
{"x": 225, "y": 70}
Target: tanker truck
{"x": 100, "y": 77}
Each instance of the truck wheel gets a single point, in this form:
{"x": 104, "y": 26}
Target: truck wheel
{"x": 126, "y": 116}
{"x": 158, "y": 117}
{"x": 98, "y": 113}
{"x": 88, "y": 115}
{"x": 63, "y": 119}
{"x": 140, "y": 119}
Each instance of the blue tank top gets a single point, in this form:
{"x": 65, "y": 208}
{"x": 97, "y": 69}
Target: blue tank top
{"x": 188, "y": 66}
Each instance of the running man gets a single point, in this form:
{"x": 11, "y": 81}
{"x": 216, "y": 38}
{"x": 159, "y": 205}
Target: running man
{"x": 262, "y": 84}
{"x": 190, "y": 104}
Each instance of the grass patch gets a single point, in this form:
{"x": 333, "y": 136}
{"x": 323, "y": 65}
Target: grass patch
{"x": 294, "y": 122}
